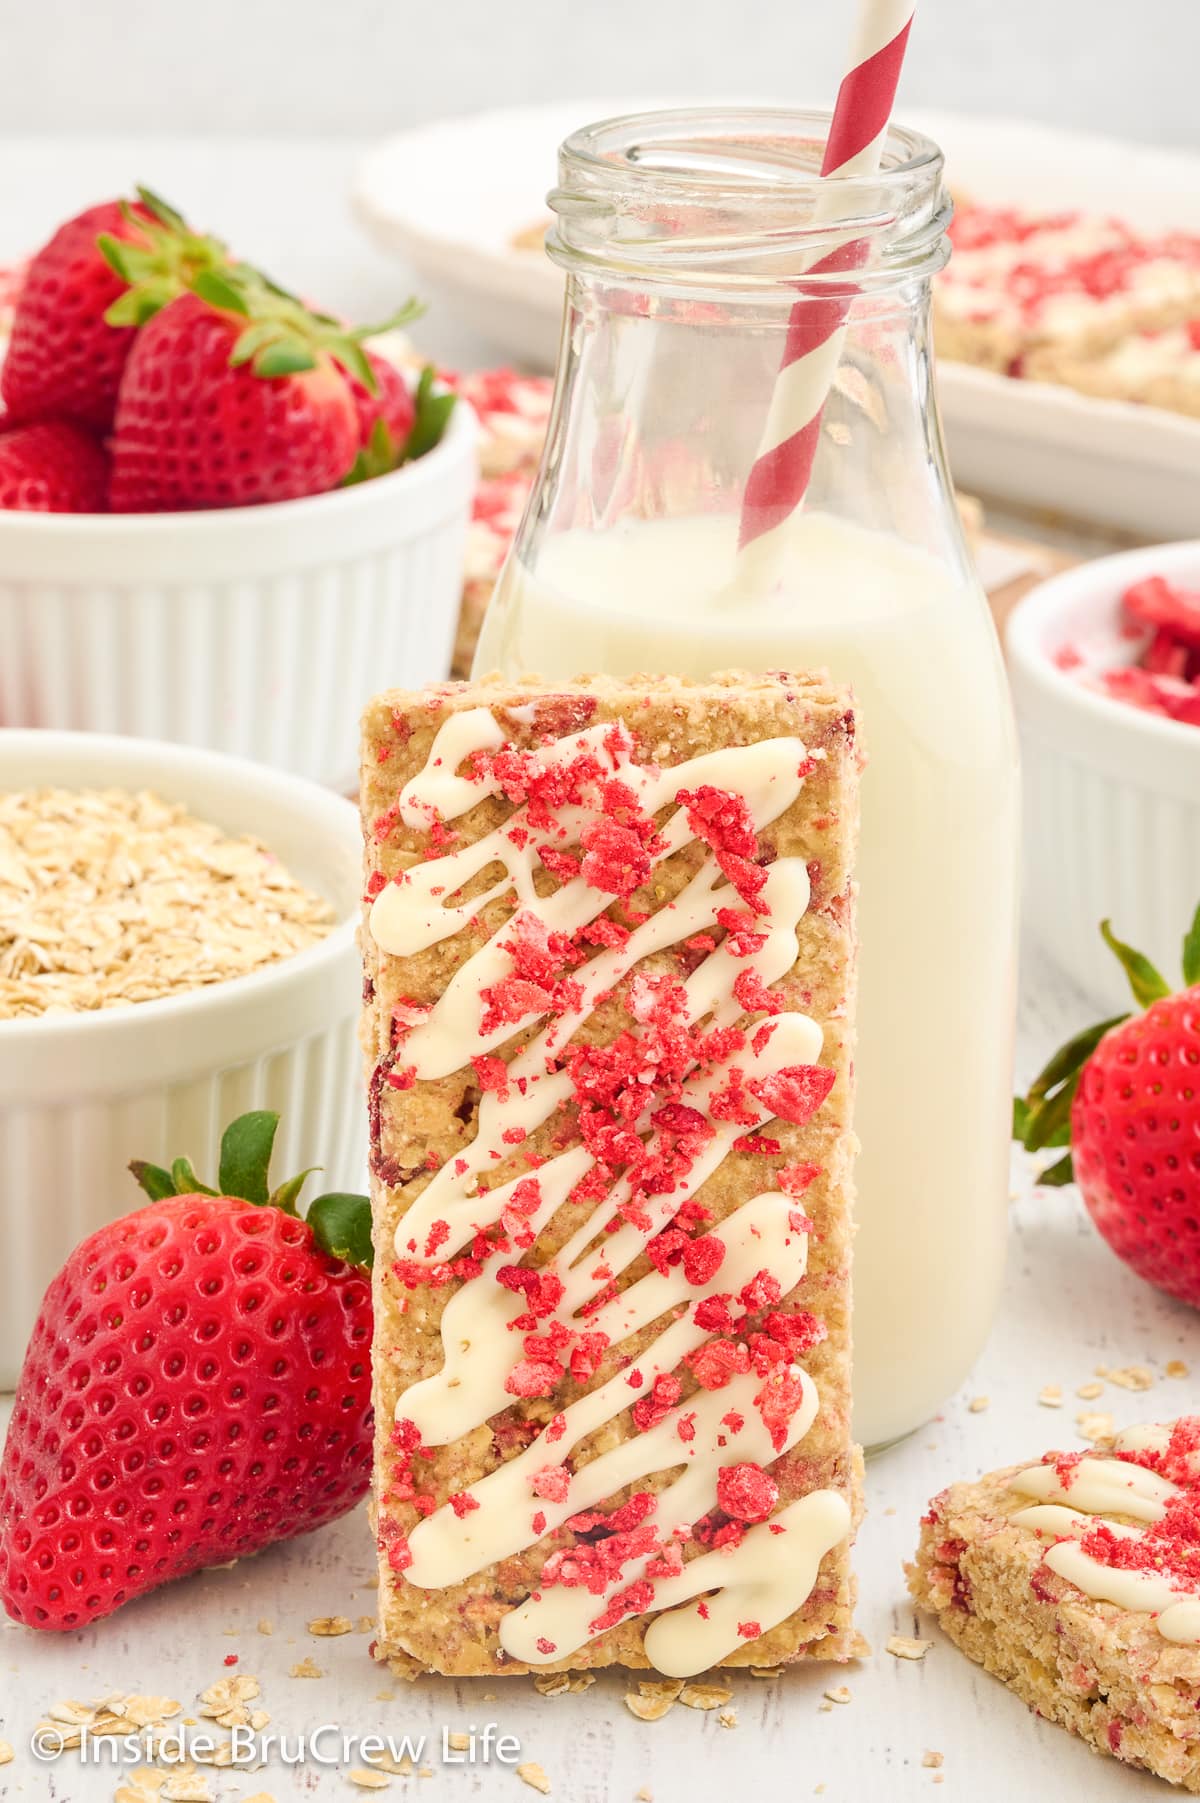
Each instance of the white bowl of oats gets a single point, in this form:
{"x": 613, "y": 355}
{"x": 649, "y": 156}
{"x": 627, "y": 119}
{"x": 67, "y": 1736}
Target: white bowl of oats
{"x": 176, "y": 947}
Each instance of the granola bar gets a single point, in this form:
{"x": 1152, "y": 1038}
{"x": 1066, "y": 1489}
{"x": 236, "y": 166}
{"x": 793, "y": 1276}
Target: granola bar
{"x": 1064, "y": 284}
{"x": 609, "y": 980}
{"x": 1076, "y": 1582}
{"x": 1154, "y": 368}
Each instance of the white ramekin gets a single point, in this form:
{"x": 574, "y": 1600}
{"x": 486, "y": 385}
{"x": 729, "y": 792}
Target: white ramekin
{"x": 260, "y": 631}
{"x": 1112, "y": 794}
{"x": 82, "y": 1094}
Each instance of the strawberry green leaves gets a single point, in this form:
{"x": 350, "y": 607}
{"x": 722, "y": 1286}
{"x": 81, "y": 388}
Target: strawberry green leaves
{"x": 340, "y": 1222}
{"x": 341, "y": 1225}
{"x": 1147, "y": 984}
{"x": 165, "y": 258}
{"x": 1191, "y": 952}
{"x": 381, "y": 454}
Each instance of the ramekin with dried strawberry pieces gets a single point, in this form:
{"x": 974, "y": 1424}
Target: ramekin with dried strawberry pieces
{"x": 1102, "y": 665}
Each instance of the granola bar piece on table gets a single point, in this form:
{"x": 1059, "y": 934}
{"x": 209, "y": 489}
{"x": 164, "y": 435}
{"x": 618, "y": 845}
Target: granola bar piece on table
{"x": 1076, "y": 1582}
{"x": 609, "y": 981}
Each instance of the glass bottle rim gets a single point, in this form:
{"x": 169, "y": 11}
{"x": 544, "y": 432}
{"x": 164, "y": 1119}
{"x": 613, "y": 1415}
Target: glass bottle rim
{"x": 731, "y": 199}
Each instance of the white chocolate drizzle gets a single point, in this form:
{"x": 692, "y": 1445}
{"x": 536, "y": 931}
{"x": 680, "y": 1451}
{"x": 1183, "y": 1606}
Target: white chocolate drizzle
{"x": 1100, "y": 1488}
{"x": 771, "y": 1572}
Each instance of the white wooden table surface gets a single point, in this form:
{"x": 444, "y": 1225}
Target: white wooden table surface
{"x": 1068, "y": 1307}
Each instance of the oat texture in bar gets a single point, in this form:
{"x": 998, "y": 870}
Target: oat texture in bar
{"x": 609, "y": 979}
{"x": 1076, "y": 1581}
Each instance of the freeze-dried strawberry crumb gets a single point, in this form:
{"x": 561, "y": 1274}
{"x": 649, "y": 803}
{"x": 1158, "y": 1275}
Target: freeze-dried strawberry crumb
{"x": 796, "y": 1092}
{"x": 546, "y": 1647}
{"x": 749, "y": 1630}
{"x": 560, "y": 864}
{"x": 742, "y": 935}
{"x": 604, "y": 932}
{"x": 760, "y": 1143}
{"x": 587, "y": 1354}
{"x": 634, "y": 1600}
{"x": 666, "y": 1564}
{"x": 746, "y": 1491}
{"x": 439, "y": 1233}
{"x": 491, "y": 1074}
{"x": 543, "y": 1289}
{"x": 649, "y": 1410}
{"x": 510, "y": 1001}
{"x": 399, "y": 1557}
{"x": 551, "y": 1483}
{"x": 702, "y": 1258}
{"x": 752, "y": 994}
{"x": 538, "y": 1524}
{"x": 556, "y": 1428}
{"x": 721, "y": 818}
{"x": 794, "y": 1179}
{"x": 777, "y": 1402}
{"x": 734, "y": 1102}
{"x": 714, "y": 1363}
{"x": 762, "y": 1290}
{"x": 533, "y": 1377}
{"x": 634, "y": 1379}
{"x": 702, "y": 1611}
{"x": 401, "y": 1079}
{"x": 462, "y": 1502}
{"x": 734, "y": 1421}
{"x": 631, "y": 1514}
{"x": 616, "y": 858}
{"x": 685, "y": 1427}
{"x": 799, "y": 1222}
{"x": 713, "y": 1313}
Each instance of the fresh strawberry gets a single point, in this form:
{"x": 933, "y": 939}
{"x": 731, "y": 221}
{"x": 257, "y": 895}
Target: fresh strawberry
{"x": 84, "y": 295}
{"x": 52, "y": 467}
{"x": 195, "y": 429}
{"x": 392, "y": 402}
{"x": 236, "y": 394}
{"x": 1125, "y": 1096}
{"x": 197, "y": 1386}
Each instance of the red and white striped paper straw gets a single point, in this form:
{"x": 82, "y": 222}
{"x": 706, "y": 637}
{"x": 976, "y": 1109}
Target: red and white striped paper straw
{"x": 780, "y": 473}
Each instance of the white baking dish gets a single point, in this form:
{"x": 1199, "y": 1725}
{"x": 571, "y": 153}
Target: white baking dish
{"x": 1112, "y": 795}
{"x": 260, "y": 631}
{"x": 82, "y": 1094}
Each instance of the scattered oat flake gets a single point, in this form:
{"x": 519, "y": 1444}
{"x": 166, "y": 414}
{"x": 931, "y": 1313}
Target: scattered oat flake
{"x": 904, "y": 1646}
{"x": 645, "y": 1795}
{"x": 766, "y": 1671}
{"x": 651, "y": 1701}
{"x": 6, "y": 1753}
{"x": 1132, "y": 1377}
{"x": 265, "y": 1627}
{"x": 1089, "y": 1392}
{"x": 1094, "y": 1426}
{"x": 329, "y": 1627}
{"x": 705, "y": 1696}
{"x": 367, "y": 1780}
{"x": 366, "y": 1624}
{"x": 1050, "y": 1396}
{"x": 1175, "y": 1368}
{"x": 459, "y": 1741}
{"x": 931, "y": 1758}
{"x": 532, "y": 1774}
{"x": 307, "y": 1669}
{"x": 977, "y": 1404}
{"x": 727, "y": 1718}
{"x": 840, "y": 1694}
{"x": 396, "y": 1768}
{"x": 186, "y": 1787}
{"x": 260, "y": 1796}
{"x": 552, "y": 1684}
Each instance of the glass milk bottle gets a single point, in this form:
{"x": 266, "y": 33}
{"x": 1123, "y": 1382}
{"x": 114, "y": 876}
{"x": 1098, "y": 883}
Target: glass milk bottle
{"x": 687, "y": 238}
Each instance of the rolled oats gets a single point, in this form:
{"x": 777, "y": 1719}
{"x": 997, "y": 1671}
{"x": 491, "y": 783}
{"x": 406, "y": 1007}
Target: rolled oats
{"x": 108, "y": 896}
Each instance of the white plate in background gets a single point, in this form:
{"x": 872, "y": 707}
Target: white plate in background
{"x": 452, "y": 196}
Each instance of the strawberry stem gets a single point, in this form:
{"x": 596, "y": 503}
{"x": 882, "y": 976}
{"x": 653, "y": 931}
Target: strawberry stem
{"x": 340, "y": 1221}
